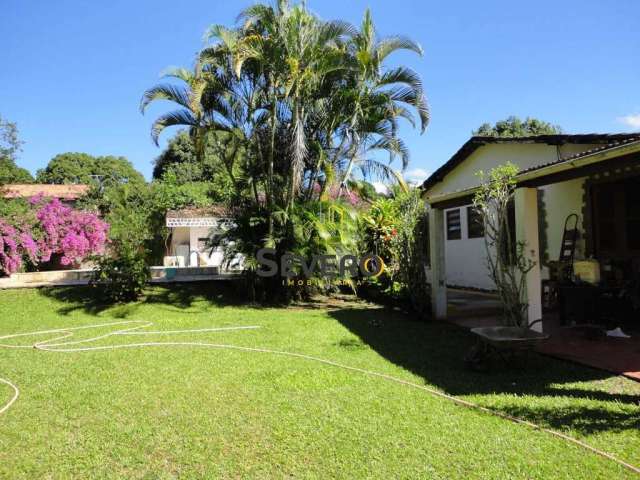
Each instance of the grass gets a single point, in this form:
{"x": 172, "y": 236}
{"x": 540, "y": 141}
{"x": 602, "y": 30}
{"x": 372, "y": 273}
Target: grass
{"x": 165, "y": 412}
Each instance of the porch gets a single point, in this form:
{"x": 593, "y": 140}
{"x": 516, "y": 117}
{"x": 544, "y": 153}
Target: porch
{"x": 620, "y": 356}
{"x": 602, "y": 187}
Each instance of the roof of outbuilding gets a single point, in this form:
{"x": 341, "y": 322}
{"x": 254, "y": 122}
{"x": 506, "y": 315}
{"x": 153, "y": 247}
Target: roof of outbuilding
{"x": 608, "y": 141}
{"x": 203, "y": 212}
{"x": 26, "y": 190}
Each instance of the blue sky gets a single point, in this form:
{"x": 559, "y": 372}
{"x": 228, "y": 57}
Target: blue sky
{"x": 72, "y": 72}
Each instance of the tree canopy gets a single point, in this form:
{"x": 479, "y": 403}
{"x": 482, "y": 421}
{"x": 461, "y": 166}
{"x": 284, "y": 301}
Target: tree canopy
{"x": 293, "y": 104}
{"x": 75, "y": 167}
{"x": 515, "y": 127}
{"x": 10, "y": 146}
{"x": 180, "y": 163}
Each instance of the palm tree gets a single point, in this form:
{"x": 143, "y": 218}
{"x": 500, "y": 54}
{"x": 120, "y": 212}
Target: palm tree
{"x": 379, "y": 99}
{"x": 188, "y": 95}
{"x": 293, "y": 105}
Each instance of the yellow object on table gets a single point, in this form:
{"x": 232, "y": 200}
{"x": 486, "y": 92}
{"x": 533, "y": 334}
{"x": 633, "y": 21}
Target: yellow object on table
{"x": 587, "y": 270}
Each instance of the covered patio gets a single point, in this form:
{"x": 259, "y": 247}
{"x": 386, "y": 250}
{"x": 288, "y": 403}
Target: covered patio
{"x": 609, "y": 199}
{"x": 621, "y": 356}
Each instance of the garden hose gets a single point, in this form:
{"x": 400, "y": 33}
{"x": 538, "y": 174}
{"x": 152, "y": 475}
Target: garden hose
{"x": 48, "y": 345}
{"x": 16, "y": 394}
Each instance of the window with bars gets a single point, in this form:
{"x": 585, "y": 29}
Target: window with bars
{"x": 454, "y": 227}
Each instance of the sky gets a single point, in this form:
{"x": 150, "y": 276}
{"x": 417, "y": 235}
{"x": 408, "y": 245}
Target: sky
{"x": 72, "y": 72}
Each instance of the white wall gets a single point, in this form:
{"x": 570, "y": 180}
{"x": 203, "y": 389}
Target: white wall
{"x": 524, "y": 155}
{"x": 559, "y": 201}
{"x": 466, "y": 258}
{"x": 189, "y": 236}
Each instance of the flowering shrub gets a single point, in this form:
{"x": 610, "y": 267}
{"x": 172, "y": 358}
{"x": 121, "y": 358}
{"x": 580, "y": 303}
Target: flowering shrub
{"x": 10, "y": 249}
{"x": 57, "y": 229}
{"x": 72, "y": 233}
{"x": 333, "y": 192}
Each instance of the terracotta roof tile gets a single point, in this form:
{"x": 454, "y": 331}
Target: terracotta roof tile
{"x": 67, "y": 192}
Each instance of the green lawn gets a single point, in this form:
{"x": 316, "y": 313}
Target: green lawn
{"x": 194, "y": 412}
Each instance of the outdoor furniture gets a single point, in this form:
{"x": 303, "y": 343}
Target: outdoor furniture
{"x": 504, "y": 343}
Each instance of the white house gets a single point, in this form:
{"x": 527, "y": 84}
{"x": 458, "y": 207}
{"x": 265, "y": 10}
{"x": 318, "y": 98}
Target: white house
{"x": 595, "y": 176}
{"x": 191, "y": 233}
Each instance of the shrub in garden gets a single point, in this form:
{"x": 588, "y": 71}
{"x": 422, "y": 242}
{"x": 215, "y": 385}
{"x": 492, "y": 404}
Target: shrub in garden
{"x": 74, "y": 234}
{"x": 123, "y": 273}
{"x": 506, "y": 257}
{"x": 396, "y": 229}
{"x": 411, "y": 249}
{"x": 14, "y": 246}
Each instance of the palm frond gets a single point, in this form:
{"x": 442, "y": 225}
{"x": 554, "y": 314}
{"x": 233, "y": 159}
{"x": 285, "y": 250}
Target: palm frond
{"x": 180, "y": 73}
{"x": 181, "y": 117}
{"x": 166, "y": 91}
{"x": 392, "y": 145}
{"x": 388, "y": 45}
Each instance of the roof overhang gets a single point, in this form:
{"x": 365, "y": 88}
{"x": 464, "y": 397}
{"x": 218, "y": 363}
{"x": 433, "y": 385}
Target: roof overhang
{"x": 477, "y": 142}
{"x": 544, "y": 175}
{"x": 210, "y": 222}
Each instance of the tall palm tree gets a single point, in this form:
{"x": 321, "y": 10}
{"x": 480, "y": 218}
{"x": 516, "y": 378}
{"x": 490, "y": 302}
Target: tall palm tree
{"x": 379, "y": 99}
{"x": 188, "y": 95}
{"x": 298, "y": 103}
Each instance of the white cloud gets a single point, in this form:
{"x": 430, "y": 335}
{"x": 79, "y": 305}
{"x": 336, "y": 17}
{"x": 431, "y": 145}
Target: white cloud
{"x": 632, "y": 120}
{"x": 417, "y": 175}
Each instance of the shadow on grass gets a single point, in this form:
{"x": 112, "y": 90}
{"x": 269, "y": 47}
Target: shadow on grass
{"x": 181, "y": 297}
{"x": 435, "y": 351}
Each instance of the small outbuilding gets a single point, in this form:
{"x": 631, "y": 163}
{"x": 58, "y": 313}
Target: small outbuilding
{"x": 193, "y": 235}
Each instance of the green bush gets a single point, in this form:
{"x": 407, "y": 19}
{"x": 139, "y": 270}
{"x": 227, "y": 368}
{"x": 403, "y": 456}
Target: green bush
{"x": 397, "y": 230}
{"x": 123, "y": 273}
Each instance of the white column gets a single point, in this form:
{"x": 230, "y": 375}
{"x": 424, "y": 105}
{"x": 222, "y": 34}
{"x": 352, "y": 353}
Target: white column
{"x": 526, "y": 206}
{"x": 438, "y": 267}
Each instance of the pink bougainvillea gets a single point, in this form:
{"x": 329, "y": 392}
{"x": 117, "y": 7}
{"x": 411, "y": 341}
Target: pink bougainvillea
{"x": 59, "y": 229}
{"x": 334, "y": 193}
{"x": 72, "y": 233}
{"x": 10, "y": 251}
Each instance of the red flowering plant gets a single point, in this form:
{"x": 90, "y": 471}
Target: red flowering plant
{"x": 55, "y": 228}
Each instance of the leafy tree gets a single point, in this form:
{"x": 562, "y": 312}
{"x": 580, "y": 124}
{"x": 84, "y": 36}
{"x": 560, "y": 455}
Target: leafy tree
{"x": 292, "y": 105}
{"x": 179, "y": 153}
{"x": 514, "y": 127}
{"x": 11, "y": 173}
{"x": 179, "y": 164}
{"x": 75, "y": 167}
{"x": 10, "y": 146}
{"x": 116, "y": 169}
